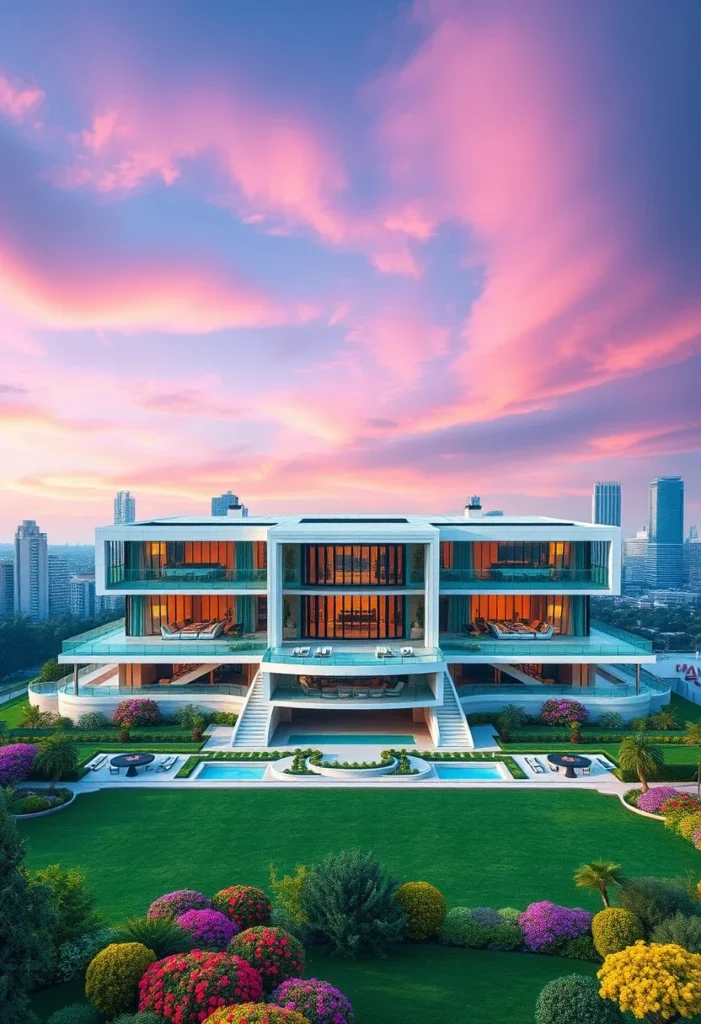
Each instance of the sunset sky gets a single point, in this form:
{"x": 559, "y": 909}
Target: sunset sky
{"x": 369, "y": 256}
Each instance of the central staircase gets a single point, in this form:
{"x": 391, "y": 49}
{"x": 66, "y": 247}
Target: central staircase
{"x": 251, "y": 729}
{"x": 453, "y": 730}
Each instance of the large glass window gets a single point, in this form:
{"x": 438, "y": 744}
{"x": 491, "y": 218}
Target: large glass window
{"x": 359, "y": 616}
{"x": 152, "y": 556}
{"x": 569, "y": 615}
{"x": 146, "y": 615}
{"x": 353, "y": 564}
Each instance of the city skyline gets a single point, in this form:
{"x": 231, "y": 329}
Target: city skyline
{"x": 366, "y": 257}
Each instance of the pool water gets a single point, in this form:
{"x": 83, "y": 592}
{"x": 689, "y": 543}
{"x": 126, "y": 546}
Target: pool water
{"x": 473, "y": 772}
{"x": 224, "y": 770}
{"x": 369, "y": 739}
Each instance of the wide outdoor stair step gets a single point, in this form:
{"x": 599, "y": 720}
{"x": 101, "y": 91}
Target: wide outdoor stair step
{"x": 252, "y": 726}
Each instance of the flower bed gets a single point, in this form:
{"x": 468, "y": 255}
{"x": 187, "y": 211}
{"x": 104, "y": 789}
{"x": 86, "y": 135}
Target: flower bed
{"x": 189, "y": 986}
{"x": 40, "y": 801}
{"x": 16, "y": 762}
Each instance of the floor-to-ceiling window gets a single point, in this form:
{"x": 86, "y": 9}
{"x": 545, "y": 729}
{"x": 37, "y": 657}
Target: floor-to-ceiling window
{"x": 568, "y": 614}
{"x": 145, "y": 615}
{"x": 353, "y": 616}
{"x": 353, "y": 564}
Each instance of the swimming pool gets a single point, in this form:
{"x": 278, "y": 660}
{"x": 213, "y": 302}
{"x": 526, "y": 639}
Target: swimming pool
{"x": 224, "y": 770}
{"x": 368, "y": 738}
{"x": 469, "y": 772}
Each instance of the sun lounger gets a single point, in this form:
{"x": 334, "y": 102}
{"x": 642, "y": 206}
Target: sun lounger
{"x": 605, "y": 764}
{"x": 377, "y": 693}
{"x": 552, "y": 767}
{"x": 394, "y": 691}
{"x": 114, "y": 770}
{"x": 586, "y": 771}
{"x": 406, "y": 652}
{"x": 535, "y": 766}
{"x": 98, "y": 762}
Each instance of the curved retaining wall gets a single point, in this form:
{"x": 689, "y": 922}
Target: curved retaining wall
{"x": 627, "y": 707}
{"x": 73, "y": 707}
{"x": 47, "y": 702}
{"x": 352, "y": 773}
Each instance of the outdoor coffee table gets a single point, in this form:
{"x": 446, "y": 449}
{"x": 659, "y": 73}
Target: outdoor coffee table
{"x": 569, "y": 762}
{"x": 131, "y": 762}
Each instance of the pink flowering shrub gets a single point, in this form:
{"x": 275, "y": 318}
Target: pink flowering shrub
{"x": 546, "y": 925}
{"x": 316, "y": 1000}
{"x": 173, "y": 904}
{"x": 244, "y": 904}
{"x": 16, "y": 762}
{"x": 208, "y": 928}
{"x": 189, "y": 987}
{"x": 136, "y": 712}
{"x": 654, "y": 798}
{"x": 559, "y": 711}
{"x": 276, "y": 953}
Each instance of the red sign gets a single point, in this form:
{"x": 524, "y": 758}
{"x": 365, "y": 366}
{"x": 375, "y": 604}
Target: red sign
{"x": 691, "y": 673}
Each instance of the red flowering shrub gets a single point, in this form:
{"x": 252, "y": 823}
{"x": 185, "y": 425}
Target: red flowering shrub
{"x": 136, "y": 712}
{"x": 272, "y": 951}
{"x": 681, "y": 803}
{"x": 244, "y": 904}
{"x": 559, "y": 711}
{"x": 189, "y": 987}
{"x": 256, "y": 1013}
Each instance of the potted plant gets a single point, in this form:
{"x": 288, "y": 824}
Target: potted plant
{"x": 575, "y": 734}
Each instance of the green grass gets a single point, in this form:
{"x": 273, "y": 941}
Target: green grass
{"x": 486, "y": 847}
{"x": 11, "y": 712}
{"x": 431, "y": 984}
{"x": 685, "y": 710}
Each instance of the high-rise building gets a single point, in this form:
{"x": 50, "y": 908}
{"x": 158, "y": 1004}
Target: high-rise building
{"x": 606, "y": 503}
{"x": 7, "y": 589}
{"x": 59, "y": 587}
{"x": 124, "y": 508}
{"x": 31, "y": 572}
{"x": 227, "y": 504}
{"x": 665, "y": 553}
{"x": 692, "y": 563}
{"x": 635, "y": 560}
{"x": 82, "y": 595}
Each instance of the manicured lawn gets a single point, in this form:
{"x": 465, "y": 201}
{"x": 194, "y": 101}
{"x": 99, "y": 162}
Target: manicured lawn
{"x": 12, "y": 711}
{"x": 431, "y": 984}
{"x": 684, "y": 709}
{"x": 481, "y": 847}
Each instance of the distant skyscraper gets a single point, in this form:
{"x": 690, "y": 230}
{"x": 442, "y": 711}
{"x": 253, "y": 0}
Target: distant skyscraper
{"x": 124, "y": 508}
{"x": 606, "y": 503}
{"x": 665, "y": 556}
{"x": 82, "y": 595}
{"x": 31, "y": 572}
{"x": 7, "y": 589}
{"x": 222, "y": 504}
{"x": 59, "y": 587}
{"x": 692, "y": 564}
{"x": 635, "y": 560}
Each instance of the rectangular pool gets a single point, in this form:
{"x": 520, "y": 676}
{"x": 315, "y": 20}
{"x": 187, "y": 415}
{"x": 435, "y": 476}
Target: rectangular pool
{"x": 369, "y": 739}
{"x": 469, "y": 772}
{"x": 224, "y": 770}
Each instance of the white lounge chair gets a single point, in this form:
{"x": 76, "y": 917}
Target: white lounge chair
{"x": 406, "y": 652}
{"x": 394, "y": 691}
{"x": 98, "y": 762}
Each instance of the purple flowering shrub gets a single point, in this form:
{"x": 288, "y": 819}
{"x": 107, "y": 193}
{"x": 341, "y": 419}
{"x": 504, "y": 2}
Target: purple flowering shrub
{"x": 16, "y": 762}
{"x": 136, "y": 712}
{"x": 563, "y": 712}
{"x": 208, "y": 927}
{"x": 173, "y": 904}
{"x": 316, "y": 1000}
{"x": 545, "y": 924}
{"x": 654, "y": 798}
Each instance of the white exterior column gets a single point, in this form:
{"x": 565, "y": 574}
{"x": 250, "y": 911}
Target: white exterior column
{"x": 275, "y": 577}
{"x": 431, "y": 591}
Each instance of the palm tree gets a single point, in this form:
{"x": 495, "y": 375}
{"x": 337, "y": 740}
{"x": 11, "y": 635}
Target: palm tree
{"x": 693, "y": 738}
{"x": 637, "y": 754}
{"x": 599, "y": 876}
{"x": 33, "y": 718}
{"x": 665, "y": 720}
{"x": 57, "y": 756}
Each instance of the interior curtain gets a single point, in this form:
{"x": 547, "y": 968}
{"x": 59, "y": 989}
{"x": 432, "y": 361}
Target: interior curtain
{"x": 458, "y": 612}
{"x": 462, "y": 555}
{"x": 246, "y": 612}
{"x": 244, "y": 556}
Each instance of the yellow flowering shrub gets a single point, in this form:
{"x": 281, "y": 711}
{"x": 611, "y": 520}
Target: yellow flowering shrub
{"x": 615, "y": 928}
{"x": 688, "y": 824}
{"x": 424, "y": 906}
{"x": 660, "y": 982}
{"x": 113, "y": 976}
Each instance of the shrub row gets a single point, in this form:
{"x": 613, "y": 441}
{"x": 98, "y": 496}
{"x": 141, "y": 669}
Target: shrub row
{"x": 588, "y": 736}
{"x": 485, "y": 755}
{"x": 667, "y": 773}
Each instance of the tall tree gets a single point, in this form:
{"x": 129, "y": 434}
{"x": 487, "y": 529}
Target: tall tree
{"x": 25, "y": 925}
{"x": 637, "y": 754}
{"x": 57, "y": 757}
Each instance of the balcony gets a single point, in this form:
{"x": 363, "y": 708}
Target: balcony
{"x": 110, "y": 642}
{"x": 355, "y": 692}
{"x": 545, "y": 692}
{"x": 413, "y": 580}
{"x": 187, "y": 577}
{"x": 162, "y": 692}
{"x": 603, "y": 642}
{"x": 361, "y": 655}
{"x": 520, "y": 578}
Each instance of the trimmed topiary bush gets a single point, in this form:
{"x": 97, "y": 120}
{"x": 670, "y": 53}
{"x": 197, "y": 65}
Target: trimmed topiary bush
{"x": 244, "y": 904}
{"x": 545, "y": 925}
{"x": 318, "y": 1001}
{"x": 425, "y": 908}
{"x": 350, "y": 905}
{"x": 76, "y": 1013}
{"x": 461, "y": 929}
{"x": 574, "y": 999}
{"x": 506, "y": 937}
{"x": 208, "y": 928}
{"x": 181, "y": 985}
{"x": 173, "y": 904}
{"x": 581, "y": 948}
{"x": 255, "y": 1013}
{"x": 277, "y": 954}
{"x": 482, "y": 928}
{"x": 615, "y": 928}
{"x": 74, "y": 955}
{"x": 112, "y": 978}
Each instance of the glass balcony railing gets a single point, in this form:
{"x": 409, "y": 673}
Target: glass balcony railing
{"x": 506, "y": 690}
{"x": 525, "y": 578}
{"x": 603, "y": 640}
{"x": 188, "y": 577}
{"x": 189, "y": 690}
{"x": 110, "y": 642}
{"x": 410, "y": 691}
{"x": 292, "y": 581}
{"x": 337, "y": 656}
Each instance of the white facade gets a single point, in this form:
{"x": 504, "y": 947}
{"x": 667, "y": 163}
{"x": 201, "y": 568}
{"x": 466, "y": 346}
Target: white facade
{"x": 430, "y": 616}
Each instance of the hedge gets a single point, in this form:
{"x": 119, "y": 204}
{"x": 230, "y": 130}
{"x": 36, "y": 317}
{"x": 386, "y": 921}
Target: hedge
{"x": 667, "y": 773}
{"x": 484, "y": 755}
{"x": 588, "y": 736}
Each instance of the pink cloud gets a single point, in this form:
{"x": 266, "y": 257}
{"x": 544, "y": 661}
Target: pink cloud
{"x": 18, "y": 100}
